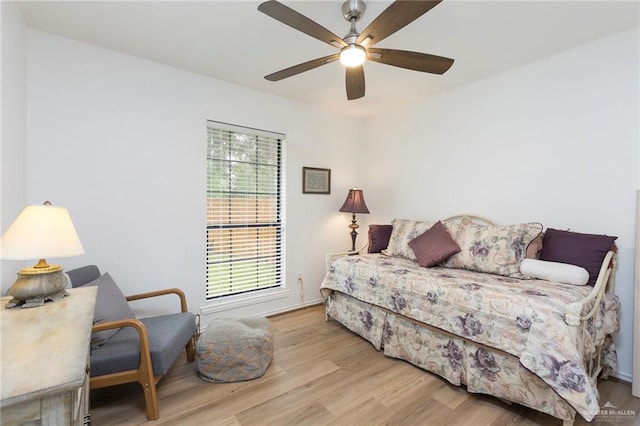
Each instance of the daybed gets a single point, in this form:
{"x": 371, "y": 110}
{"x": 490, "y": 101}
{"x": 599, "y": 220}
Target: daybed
{"x": 476, "y": 319}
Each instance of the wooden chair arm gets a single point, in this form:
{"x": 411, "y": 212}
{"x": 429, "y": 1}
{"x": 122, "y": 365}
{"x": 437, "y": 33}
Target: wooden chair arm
{"x": 128, "y": 322}
{"x": 180, "y": 293}
{"x": 145, "y": 370}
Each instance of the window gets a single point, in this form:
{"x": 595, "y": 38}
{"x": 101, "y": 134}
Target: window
{"x": 244, "y": 210}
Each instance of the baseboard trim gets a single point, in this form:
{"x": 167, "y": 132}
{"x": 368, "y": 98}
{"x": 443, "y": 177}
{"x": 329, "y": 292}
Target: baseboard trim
{"x": 293, "y": 308}
{"x": 621, "y": 377}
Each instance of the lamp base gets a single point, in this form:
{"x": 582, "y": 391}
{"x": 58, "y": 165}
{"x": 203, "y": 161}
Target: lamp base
{"x": 35, "y": 286}
{"x": 354, "y": 233}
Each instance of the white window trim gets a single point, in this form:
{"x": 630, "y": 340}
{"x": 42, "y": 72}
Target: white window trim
{"x": 236, "y": 301}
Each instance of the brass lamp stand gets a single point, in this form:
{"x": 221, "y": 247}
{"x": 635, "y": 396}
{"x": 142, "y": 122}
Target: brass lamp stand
{"x": 354, "y": 233}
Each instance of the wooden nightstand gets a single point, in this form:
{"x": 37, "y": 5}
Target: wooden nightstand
{"x": 45, "y": 360}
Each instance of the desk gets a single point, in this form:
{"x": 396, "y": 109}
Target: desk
{"x": 44, "y": 360}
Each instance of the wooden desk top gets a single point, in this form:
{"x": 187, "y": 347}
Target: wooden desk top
{"x": 44, "y": 350}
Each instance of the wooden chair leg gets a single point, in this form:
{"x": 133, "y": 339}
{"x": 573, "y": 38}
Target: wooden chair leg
{"x": 148, "y": 380}
{"x": 189, "y": 349}
{"x": 151, "y": 399}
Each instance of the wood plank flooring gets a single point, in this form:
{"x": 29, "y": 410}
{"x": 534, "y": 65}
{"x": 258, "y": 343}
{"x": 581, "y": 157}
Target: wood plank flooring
{"x": 322, "y": 374}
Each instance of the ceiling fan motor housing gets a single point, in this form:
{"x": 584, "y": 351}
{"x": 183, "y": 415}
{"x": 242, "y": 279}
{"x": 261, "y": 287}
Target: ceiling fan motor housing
{"x": 353, "y": 9}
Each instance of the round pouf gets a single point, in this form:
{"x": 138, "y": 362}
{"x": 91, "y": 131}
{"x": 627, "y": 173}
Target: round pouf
{"x": 234, "y": 349}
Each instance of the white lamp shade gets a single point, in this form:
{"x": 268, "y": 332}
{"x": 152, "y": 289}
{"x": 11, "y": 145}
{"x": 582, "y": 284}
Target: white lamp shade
{"x": 41, "y": 232}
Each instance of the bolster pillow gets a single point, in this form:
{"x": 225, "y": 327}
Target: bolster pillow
{"x": 554, "y": 271}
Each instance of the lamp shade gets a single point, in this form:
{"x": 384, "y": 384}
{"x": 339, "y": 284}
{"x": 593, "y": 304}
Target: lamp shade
{"x": 354, "y": 202}
{"x": 41, "y": 232}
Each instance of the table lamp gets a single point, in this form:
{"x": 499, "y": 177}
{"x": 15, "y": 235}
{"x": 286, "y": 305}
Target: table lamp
{"x": 354, "y": 204}
{"x": 39, "y": 232}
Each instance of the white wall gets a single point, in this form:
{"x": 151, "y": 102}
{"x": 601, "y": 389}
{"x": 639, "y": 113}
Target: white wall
{"x": 13, "y": 136}
{"x": 555, "y": 141}
{"x": 121, "y": 142}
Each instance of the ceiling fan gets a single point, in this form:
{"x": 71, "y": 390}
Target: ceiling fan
{"x": 357, "y": 47}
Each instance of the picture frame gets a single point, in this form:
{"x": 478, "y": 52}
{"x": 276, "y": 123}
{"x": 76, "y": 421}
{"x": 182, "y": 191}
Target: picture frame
{"x": 316, "y": 181}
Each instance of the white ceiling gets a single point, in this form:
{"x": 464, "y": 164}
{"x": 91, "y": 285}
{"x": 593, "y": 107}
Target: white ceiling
{"x": 234, "y": 42}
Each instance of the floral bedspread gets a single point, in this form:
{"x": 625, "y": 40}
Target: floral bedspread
{"x": 524, "y": 318}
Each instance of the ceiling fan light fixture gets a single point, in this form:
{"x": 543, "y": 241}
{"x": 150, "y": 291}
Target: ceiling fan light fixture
{"x": 353, "y": 55}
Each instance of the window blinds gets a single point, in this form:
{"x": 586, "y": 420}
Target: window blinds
{"x": 244, "y": 226}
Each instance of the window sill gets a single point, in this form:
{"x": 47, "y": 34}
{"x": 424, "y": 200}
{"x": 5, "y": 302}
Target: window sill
{"x": 234, "y": 302}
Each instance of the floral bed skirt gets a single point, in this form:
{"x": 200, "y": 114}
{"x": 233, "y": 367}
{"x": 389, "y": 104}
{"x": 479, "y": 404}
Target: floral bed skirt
{"x": 460, "y": 361}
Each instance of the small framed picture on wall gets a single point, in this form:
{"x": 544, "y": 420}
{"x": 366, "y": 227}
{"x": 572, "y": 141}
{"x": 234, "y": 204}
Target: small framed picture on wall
{"x": 316, "y": 181}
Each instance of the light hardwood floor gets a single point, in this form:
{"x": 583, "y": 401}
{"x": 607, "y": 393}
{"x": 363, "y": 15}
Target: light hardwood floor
{"x": 322, "y": 374}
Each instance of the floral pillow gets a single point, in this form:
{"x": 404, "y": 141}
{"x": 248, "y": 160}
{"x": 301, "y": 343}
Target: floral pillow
{"x": 405, "y": 230}
{"x": 491, "y": 248}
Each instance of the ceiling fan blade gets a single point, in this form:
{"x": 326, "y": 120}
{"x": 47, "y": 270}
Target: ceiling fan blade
{"x": 410, "y": 60}
{"x": 355, "y": 82}
{"x": 290, "y": 17}
{"x": 305, "y": 66}
{"x": 396, "y": 16}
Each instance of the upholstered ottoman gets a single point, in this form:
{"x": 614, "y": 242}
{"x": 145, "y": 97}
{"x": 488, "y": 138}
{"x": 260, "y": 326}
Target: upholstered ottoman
{"x": 234, "y": 349}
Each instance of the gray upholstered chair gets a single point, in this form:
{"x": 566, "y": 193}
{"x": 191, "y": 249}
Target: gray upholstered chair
{"x": 126, "y": 349}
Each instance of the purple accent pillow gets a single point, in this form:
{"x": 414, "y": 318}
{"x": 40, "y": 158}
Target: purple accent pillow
{"x": 585, "y": 250}
{"x": 435, "y": 245}
{"x": 379, "y": 237}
